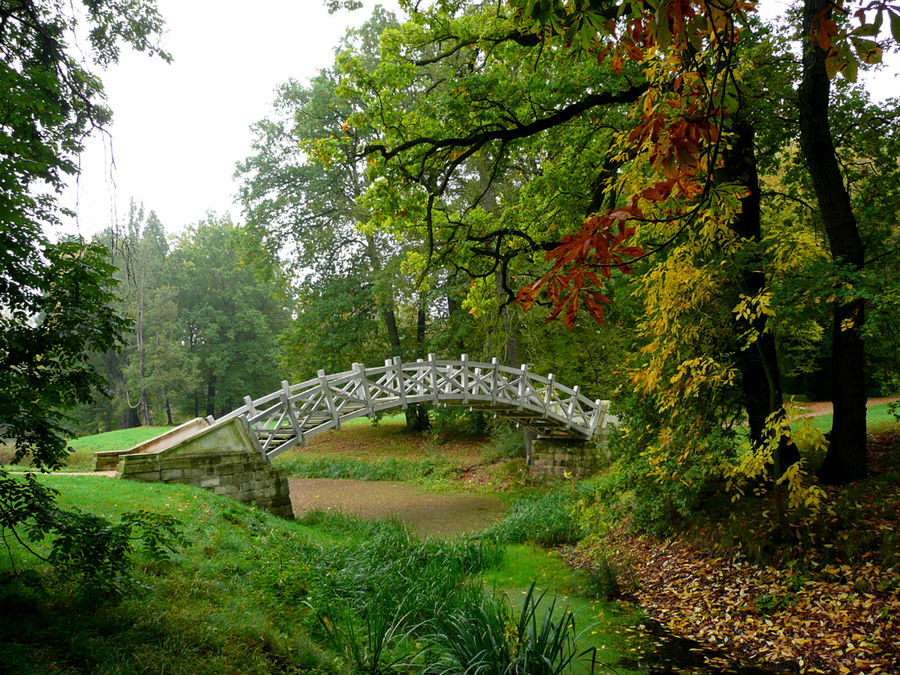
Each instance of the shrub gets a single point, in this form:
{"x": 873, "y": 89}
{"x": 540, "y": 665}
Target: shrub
{"x": 96, "y": 553}
{"x": 606, "y": 579}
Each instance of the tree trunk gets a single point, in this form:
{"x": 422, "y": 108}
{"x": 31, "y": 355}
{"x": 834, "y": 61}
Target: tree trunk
{"x": 416, "y": 415}
{"x": 846, "y": 459}
{"x": 511, "y": 344}
{"x": 762, "y": 394}
{"x": 211, "y": 395}
{"x": 130, "y": 419}
{"x": 168, "y": 411}
{"x": 143, "y": 404}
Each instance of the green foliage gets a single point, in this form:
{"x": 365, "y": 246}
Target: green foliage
{"x": 84, "y": 546}
{"x": 666, "y": 476}
{"x": 606, "y": 579}
{"x": 507, "y": 440}
{"x": 448, "y": 422}
{"x": 390, "y": 468}
{"x": 356, "y": 599}
{"x": 485, "y": 638}
{"x": 546, "y": 520}
{"x": 46, "y": 336}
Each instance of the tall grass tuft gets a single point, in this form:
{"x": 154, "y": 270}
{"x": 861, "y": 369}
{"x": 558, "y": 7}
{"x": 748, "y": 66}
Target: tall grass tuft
{"x": 484, "y": 638}
{"x": 369, "y": 469}
{"x": 546, "y": 520}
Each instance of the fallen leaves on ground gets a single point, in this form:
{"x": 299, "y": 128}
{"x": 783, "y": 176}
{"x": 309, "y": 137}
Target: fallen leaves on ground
{"x": 831, "y": 609}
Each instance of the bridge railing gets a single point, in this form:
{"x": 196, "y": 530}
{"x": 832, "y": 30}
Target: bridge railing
{"x": 295, "y": 413}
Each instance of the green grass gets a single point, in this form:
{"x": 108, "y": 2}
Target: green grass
{"x": 237, "y": 598}
{"x": 116, "y": 440}
{"x": 81, "y": 450}
{"x": 878, "y": 418}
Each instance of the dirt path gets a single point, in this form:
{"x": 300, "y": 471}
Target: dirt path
{"x": 427, "y": 513}
{"x": 816, "y": 408}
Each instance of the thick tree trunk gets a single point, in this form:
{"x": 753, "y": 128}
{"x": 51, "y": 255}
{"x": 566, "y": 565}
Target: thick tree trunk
{"x": 168, "y": 411}
{"x": 417, "y": 416}
{"x": 758, "y": 362}
{"x": 511, "y": 344}
{"x": 846, "y": 459}
{"x": 130, "y": 419}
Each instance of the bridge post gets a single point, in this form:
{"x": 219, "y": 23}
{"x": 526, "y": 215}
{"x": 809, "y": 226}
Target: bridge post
{"x": 360, "y": 371}
{"x": 464, "y": 377}
{"x": 433, "y": 374}
{"x": 292, "y": 414}
{"x": 401, "y": 385}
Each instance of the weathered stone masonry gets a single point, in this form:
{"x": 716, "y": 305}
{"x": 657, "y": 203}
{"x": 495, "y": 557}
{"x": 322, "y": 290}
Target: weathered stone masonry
{"x": 221, "y": 457}
{"x": 555, "y": 457}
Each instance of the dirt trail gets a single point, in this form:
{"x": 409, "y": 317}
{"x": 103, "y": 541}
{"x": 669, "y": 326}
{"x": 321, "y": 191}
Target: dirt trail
{"x": 816, "y": 408}
{"x": 427, "y": 513}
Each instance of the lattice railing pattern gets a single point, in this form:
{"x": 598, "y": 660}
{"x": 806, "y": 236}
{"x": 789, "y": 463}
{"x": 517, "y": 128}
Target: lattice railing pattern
{"x": 295, "y": 413}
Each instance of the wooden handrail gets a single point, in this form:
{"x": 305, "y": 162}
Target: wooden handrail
{"x": 295, "y": 413}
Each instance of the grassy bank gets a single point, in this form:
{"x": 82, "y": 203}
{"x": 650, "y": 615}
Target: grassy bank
{"x": 254, "y": 593}
{"x": 81, "y": 450}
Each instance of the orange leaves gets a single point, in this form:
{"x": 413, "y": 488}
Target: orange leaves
{"x": 676, "y": 145}
{"x": 825, "y": 29}
{"x": 599, "y": 245}
{"x": 847, "y": 47}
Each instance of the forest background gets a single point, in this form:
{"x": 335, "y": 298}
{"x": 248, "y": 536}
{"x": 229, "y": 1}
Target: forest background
{"x": 411, "y": 199}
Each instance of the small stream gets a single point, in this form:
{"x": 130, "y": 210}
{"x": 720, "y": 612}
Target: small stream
{"x": 446, "y": 514}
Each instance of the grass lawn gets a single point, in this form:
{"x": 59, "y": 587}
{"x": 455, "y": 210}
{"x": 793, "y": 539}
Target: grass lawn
{"x": 878, "y": 418}
{"x": 81, "y": 457}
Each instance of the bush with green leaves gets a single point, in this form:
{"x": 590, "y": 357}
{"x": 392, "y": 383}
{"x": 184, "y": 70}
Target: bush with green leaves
{"x": 666, "y": 491}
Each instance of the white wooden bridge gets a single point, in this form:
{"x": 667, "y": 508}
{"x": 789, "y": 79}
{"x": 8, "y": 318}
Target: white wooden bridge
{"x": 292, "y": 415}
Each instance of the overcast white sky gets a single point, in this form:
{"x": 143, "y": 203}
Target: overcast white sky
{"x": 180, "y": 128}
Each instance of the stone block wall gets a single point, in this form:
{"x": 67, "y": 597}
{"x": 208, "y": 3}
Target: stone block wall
{"x": 554, "y": 458}
{"x": 221, "y": 458}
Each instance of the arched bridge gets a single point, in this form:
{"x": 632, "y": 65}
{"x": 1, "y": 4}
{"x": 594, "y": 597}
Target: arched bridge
{"x": 295, "y": 413}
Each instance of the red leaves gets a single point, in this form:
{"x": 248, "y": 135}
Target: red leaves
{"x": 599, "y": 244}
{"x": 677, "y": 145}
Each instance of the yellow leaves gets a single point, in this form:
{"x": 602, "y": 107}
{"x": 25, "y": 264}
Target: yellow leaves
{"x": 750, "y": 309}
{"x": 847, "y": 325}
{"x": 693, "y": 375}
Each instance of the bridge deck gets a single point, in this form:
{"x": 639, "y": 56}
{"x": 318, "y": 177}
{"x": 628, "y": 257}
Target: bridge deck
{"x": 295, "y": 413}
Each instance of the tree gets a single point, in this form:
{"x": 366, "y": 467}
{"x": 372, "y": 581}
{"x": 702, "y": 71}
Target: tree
{"x": 621, "y": 139}
{"x": 300, "y": 191}
{"x": 230, "y": 312}
{"x": 846, "y": 459}
{"x": 47, "y": 337}
{"x": 55, "y": 297}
